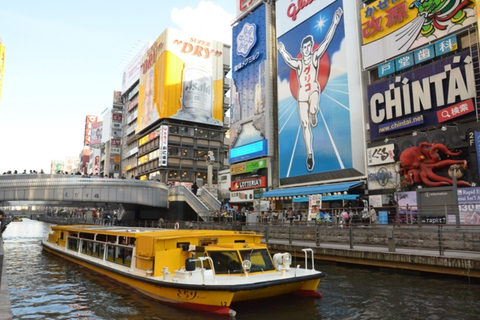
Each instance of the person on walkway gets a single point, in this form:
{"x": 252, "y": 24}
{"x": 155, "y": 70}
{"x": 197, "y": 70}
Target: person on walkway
{"x": 372, "y": 215}
{"x": 195, "y": 188}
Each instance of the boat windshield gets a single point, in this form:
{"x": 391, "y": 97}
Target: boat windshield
{"x": 229, "y": 261}
{"x": 260, "y": 259}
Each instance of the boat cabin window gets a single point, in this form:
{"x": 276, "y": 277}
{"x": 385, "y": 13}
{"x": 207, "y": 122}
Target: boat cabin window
{"x": 74, "y": 234}
{"x": 73, "y": 244}
{"x": 101, "y": 237}
{"x": 119, "y": 254}
{"x": 61, "y": 235}
{"x": 260, "y": 259}
{"x": 226, "y": 262}
{"x": 85, "y": 235}
{"x": 112, "y": 239}
{"x": 183, "y": 245}
{"x": 206, "y": 241}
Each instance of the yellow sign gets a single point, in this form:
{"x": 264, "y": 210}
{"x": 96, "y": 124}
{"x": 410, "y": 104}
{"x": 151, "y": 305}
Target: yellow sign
{"x": 181, "y": 77}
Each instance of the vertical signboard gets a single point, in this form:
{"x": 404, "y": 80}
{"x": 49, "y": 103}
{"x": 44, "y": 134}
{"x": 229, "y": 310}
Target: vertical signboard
{"x": 89, "y": 121}
{"x": 250, "y": 80}
{"x": 181, "y": 77}
{"x": 314, "y": 109}
{"x": 163, "y": 145}
{"x": 96, "y": 133}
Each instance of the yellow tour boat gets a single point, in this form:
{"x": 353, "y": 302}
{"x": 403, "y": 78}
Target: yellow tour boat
{"x": 17, "y": 219}
{"x": 206, "y": 270}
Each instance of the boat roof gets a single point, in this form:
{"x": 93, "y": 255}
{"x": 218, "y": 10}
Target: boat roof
{"x": 157, "y": 232}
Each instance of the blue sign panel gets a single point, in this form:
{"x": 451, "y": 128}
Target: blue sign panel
{"x": 423, "y": 97}
{"x": 424, "y": 54}
{"x": 403, "y": 62}
{"x": 386, "y": 69}
{"x": 446, "y": 45}
{"x": 249, "y": 85}
{"x": 249, "y": 151}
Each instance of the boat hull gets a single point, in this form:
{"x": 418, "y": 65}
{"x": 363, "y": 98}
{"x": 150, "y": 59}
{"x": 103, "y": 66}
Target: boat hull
{"x": 211, "y": 298}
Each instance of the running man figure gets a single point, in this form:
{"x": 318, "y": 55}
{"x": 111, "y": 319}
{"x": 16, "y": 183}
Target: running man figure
{"x": 307, "y": 68}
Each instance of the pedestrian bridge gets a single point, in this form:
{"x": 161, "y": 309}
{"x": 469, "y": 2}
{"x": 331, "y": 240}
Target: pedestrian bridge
{"x": 134, "y": 199}
{"x": 71, "y": 190}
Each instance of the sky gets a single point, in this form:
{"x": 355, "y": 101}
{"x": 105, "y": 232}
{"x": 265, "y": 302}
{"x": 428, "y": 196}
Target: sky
{"x": 64, "y": 60}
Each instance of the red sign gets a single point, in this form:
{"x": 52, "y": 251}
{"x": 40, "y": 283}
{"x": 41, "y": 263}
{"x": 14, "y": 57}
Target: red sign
{"x": 455, "y": 111}
{"x": 117, "y": 117}
{"x": 260, "y": 182}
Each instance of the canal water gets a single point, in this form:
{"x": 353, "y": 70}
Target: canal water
{"x": 43, "y": 286}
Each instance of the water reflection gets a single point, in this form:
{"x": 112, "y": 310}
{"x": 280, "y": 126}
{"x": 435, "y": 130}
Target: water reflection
{"x": 43, "y": 286}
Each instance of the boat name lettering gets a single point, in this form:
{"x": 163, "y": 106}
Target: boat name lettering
{"x": 186, "y": 294}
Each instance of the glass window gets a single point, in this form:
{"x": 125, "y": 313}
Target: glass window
{"x": 226, "y": 262}
{"x": 260, "y": 259}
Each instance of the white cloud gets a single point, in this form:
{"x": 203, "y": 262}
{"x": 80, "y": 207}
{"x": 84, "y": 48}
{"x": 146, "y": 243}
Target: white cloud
{"x": 199, "y": 22}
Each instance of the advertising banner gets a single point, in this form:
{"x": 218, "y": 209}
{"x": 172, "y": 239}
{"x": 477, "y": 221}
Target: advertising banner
{"x": 383, "y": 177}
{"x": 242, "y": 196}
{"x": 2, "y": 66}
{"x": 313, "y": 101}
{"x": 163, "y": 145}
{"x": 391, "y": 28}
{"x": 244, "y": 6}
{"x": 439, "y": 92}
{"x": 469, "y": 205}
{"x": 314, "y": 205}
{"x": 249, "y": 80}
{"x": 244, "y": 184}
{"x": 381, "y": 154}
{"x": 96, "y": 133}
{"x": 89, "y": 120}
{"x": 131, "y": 73}
{"x": 248, "y": 166}
{"x": 181, "y": 77}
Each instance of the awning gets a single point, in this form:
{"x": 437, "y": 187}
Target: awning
{"x": 305, "y": 191}
{"x": 329, "y": 198}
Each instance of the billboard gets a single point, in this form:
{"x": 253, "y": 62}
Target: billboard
{"x": 439, "y": 92}
{"x": 244, "y": 6}
{"x": 96, "y": 133}
{"x": 131, "y": 73}
{"x": 181, "y": 77}
{"x": 250, "y": 81}
{"x": 391, "y": 28}
{"x": 314, "y": 111}
{"x": 2, "y": 65}
{"x": 89, "y": 120}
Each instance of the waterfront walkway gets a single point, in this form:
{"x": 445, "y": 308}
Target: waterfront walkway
{"x": 449, "y": 262}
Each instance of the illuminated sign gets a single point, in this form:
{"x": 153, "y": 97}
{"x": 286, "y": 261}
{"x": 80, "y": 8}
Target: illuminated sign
{"x": 249, "y": 166}
{"x": 249, "y": 151}
{"x": 248, "y": 184}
